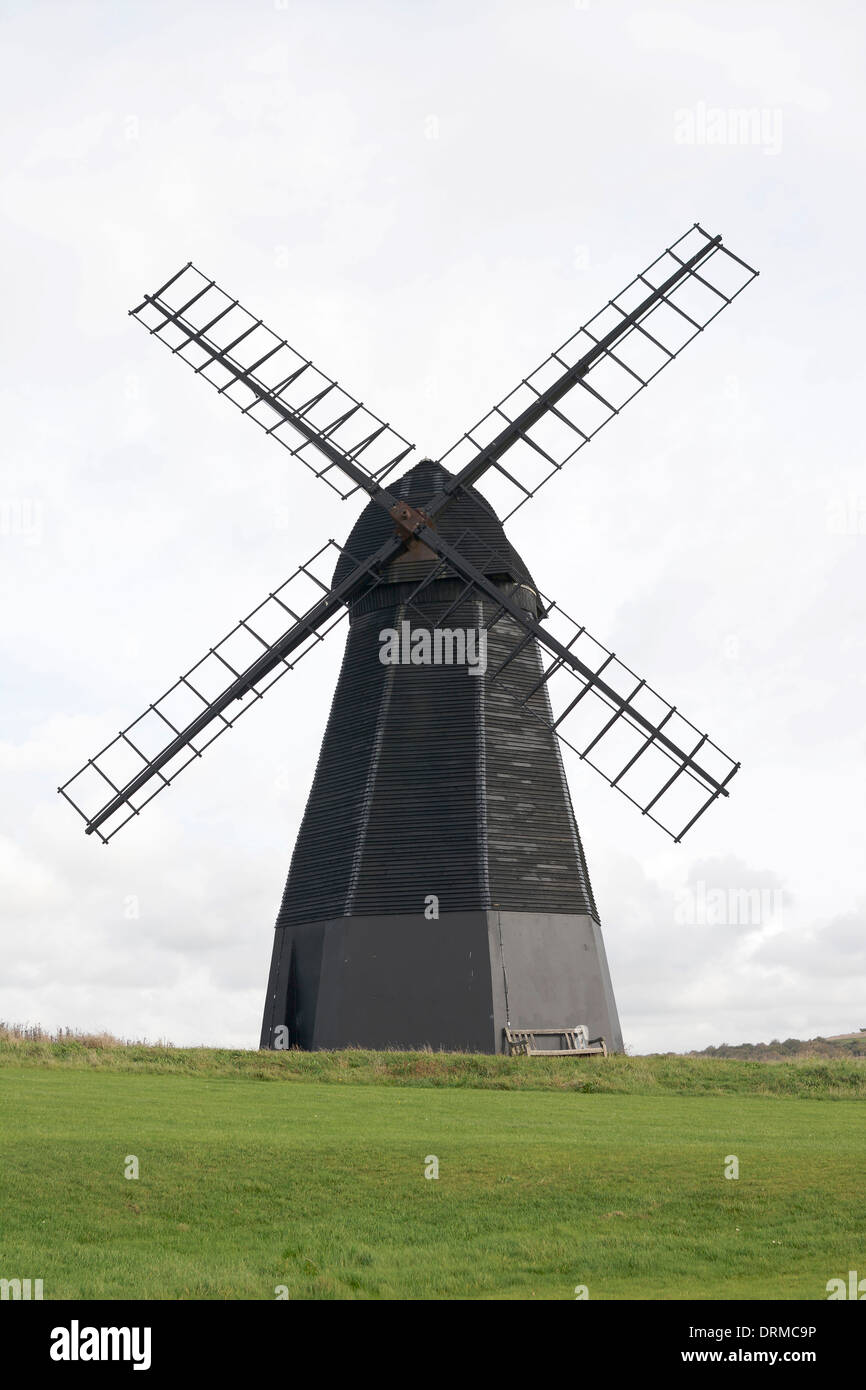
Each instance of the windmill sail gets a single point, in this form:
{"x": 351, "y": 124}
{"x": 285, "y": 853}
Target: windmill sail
{"x": 536, "y": 429}
{"x": 319, "y": 422}
{"x": 622, "y": 728}
{"x": 211, "y": 696}
{"x": 594, "y": 703}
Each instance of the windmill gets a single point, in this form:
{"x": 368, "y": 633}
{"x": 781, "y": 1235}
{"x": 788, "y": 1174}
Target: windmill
{"x": 438, "y": 892}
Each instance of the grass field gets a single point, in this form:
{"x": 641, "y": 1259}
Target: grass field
{"x": 284, "y": 1169}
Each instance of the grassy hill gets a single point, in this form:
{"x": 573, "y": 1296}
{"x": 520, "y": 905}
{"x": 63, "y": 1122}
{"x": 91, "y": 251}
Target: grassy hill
{"x": 305, "y": 1173}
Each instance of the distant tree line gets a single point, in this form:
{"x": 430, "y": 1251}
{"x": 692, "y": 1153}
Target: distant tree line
{"x": 791, "y": 1047}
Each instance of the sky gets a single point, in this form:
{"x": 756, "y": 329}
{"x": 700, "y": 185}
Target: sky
{"x": 427, "y": 200}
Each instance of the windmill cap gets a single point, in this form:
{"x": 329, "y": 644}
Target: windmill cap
{"x": 468, "y": 522}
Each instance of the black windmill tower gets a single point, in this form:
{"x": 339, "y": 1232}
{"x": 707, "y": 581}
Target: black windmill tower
{"x": 438, "y": 892}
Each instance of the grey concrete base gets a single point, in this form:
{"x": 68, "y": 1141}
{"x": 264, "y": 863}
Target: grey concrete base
{"x": 452, "y": 984}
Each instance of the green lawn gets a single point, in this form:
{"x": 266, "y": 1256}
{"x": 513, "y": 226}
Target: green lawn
{"x": 246, "y": 1184}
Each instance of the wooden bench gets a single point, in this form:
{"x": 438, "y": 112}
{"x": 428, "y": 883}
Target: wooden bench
{"x": 574, "y": 1042}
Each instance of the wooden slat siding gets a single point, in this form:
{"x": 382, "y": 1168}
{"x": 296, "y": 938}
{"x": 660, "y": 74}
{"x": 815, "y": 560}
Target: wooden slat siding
{"x": 383, "y": 843}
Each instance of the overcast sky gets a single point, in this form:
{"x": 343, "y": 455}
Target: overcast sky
{"x": 427, "y": 199}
